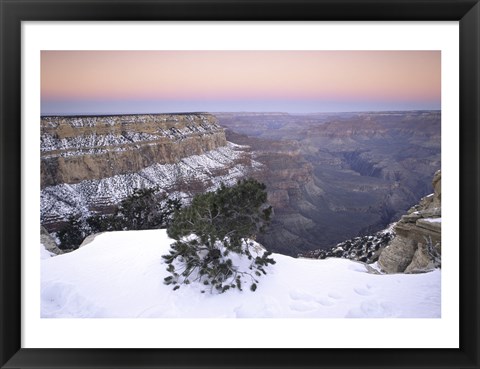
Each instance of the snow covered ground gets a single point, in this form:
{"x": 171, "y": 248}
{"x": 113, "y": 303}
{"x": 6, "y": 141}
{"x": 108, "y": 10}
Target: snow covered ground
{"x": 120, "y": 275}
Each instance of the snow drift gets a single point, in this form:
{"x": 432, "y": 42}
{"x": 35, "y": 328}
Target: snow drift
{"x": 120, "y": 275}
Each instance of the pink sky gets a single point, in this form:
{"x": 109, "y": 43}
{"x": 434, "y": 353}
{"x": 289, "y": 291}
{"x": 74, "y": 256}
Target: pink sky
{"x": 225, "y": 78}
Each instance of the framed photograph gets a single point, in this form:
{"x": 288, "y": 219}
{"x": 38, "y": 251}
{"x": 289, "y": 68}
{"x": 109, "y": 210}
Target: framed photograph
{"x": 239, "y": 184}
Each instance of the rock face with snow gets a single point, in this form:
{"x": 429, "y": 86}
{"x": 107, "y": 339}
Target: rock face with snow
{"x": 90, "y": 163}
{"x": 74, "y": 149}
{"x": 48, "y": 242}
{"x": 417, "y": 245}
{"x": 366, "y": 249}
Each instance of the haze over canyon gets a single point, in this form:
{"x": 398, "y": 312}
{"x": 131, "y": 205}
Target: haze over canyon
{"x": 329, "y": 176}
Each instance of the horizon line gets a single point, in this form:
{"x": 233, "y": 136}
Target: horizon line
{"x": 234, "y": 112}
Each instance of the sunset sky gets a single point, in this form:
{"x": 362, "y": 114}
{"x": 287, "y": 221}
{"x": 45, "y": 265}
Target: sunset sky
{"x": 115, "y": 82}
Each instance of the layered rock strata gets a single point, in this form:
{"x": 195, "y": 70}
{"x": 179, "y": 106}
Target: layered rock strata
{"x": 417, "y": 245}
{"x": 74, "y": 149}
{"x": 89, "y": 164}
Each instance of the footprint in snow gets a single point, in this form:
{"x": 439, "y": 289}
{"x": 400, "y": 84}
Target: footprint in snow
{"x": 362, "y": 291}
{"x": 372, "y": 309}
{"x": 335, "y": 295}
{"x": 300, "y": 296}
{"x": 325, "y": 301}
{"x": 302, "y": 301}
{"x": 62, "y": 300}
{"x": 302, "y": 307}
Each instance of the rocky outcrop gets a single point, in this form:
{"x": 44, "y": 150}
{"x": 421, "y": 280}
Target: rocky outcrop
{"x": 417, "y": 245}
{"x": 365, "y": 249}
{"x": 48, "y": 241}
{"x": 74, "y": 149}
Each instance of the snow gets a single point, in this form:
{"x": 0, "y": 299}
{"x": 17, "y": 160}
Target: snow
{"x": 120, "y": 275}
{"x": 376, "y": 267}
{"x": 433, "y": 220}
{"x": 44, "y": 253}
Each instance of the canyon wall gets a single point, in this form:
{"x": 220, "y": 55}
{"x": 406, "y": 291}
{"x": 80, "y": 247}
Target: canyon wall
{"x": 417, "y": 245}
{"x": 74, "y": 149}
{"x": 91, "y": 163}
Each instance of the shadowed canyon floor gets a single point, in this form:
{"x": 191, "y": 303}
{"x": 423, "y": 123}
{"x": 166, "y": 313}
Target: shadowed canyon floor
{"x": 332, "y": 177}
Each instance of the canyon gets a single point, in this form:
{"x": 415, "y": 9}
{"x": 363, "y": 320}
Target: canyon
{"x": 336, "y": 176}
{"x": 329, "y": 176}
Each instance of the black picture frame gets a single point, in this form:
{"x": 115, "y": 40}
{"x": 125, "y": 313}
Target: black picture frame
{"x": 12, "y": 13}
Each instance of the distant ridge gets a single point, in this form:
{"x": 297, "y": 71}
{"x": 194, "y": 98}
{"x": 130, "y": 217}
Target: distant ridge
{"x": 115, "y": 115}
{"x": 243, "y": 113}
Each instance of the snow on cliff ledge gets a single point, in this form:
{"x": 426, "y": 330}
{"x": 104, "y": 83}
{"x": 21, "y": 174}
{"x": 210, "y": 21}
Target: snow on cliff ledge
{"x": 120, "y": 275}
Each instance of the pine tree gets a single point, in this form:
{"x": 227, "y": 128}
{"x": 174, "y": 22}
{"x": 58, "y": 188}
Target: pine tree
{"x": 215, "y": 225}
{"x": 144, "y": 209}
{"x": 72, "y": 235}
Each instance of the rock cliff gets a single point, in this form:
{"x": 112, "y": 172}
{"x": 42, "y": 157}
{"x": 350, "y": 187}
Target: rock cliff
{"x": 290, "y": 186}
{"x": 49, "y": 242}
{"x": 74, "y": 149}
{"x": 90, "y": 163}
{"x": 417, "y": 245}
